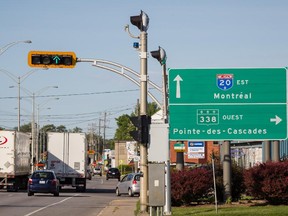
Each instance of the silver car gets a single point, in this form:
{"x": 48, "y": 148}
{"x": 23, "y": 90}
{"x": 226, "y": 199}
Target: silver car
{"x": 130, "y": 184}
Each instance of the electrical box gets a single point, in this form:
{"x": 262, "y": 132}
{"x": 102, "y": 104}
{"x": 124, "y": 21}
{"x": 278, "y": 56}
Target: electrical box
{"x": 159, "y": 143}
{"x": 156, "y": 184}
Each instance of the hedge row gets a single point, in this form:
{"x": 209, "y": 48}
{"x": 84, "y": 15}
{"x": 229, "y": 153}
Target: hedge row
{"x": 267, "y": 181}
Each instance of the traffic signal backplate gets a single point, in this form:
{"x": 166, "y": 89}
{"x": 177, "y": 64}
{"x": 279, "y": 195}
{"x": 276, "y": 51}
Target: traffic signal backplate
{"x": 49, "y": 59}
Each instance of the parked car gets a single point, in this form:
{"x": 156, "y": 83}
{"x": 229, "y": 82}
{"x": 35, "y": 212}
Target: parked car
{"x": 43, "y": 181}
{"x": 129, "y": 184}
{"x": 113, "y": 173}
{"x": 98, "y": 171}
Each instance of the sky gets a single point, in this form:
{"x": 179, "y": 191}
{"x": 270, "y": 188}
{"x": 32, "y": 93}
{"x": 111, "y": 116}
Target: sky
{"x": 194, "y": 34}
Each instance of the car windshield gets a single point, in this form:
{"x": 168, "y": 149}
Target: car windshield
{"x": 39, "y": 175}
{"x": 114, "y": 170}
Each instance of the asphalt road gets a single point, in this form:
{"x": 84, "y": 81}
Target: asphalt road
{"x": 99, "y": 193}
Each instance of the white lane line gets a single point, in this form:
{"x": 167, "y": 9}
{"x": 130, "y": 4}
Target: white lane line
{"x": 31, "y": 213}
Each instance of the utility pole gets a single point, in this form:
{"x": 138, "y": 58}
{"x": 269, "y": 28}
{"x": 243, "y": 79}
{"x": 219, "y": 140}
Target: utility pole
{"x": 276, "y": 151}
{"x": 104, "y": 130}
{"x": 161, "y": 56}
{"x": 142, "y": 22}
{"x": 99, "y": 140}
{"x": 267, "y": 151}
{"x": 226, "y": 170}
{"x": 143, "y": 111}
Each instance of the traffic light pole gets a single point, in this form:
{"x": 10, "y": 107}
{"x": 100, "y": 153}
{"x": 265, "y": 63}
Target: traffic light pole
{"x": 124, "y": 71}
{"x": 143, "y": 111}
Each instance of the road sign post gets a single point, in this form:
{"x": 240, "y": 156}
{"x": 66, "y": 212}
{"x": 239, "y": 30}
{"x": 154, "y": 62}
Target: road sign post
{"x": 228, "y": 104}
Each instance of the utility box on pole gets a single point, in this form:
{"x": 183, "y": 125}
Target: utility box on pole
{"x": 156, "y": 184}
{"x": 159, "y": 143}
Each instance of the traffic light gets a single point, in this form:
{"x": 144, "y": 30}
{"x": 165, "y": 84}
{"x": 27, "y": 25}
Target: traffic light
{"x": 141, "y": 21}
{"x": 141, "y": 133}
{"x": 48, "y": 59}
{"x": 160, "y": 55}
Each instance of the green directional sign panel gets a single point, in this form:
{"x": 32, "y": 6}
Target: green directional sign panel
{"x": 228, "y": 104}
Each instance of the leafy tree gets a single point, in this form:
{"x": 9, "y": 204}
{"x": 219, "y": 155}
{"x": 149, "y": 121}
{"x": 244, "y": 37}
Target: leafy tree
{"x": 110, "y": 144}
{"x": 152, "y": 108}
{"x": 124, "y": 127}
{"x": 124, "y": 124}
{"x": 61, "y": 128}
{"x": 76, "y": 130}
{"x": 26, "y": 128}
{"x": 49, "y": 128}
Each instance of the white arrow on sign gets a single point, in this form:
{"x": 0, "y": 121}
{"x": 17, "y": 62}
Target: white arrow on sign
{"x": 178, "y": 79}
{"x": 277, "y": 119}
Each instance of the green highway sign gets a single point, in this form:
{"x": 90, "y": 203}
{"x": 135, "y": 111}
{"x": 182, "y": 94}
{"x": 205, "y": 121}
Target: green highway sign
{"x": 228, "y": 104}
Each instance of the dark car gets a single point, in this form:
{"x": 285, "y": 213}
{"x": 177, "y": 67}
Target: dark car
{"x": 129, "y": 184}
{"x": 113, "y": 173}
{"x": 43, "y": 181}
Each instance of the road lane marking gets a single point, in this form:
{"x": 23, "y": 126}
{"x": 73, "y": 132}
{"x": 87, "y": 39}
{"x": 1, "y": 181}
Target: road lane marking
{"x": 31, "y": 213}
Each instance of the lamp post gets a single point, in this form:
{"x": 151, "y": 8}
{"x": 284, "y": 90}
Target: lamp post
{"x": 39, "y": 106}
{"x": 142, "y": 22}
{"x": 7, "y": 46}
{"x": 33, "y": 95}
{"x": 19, "y": 80}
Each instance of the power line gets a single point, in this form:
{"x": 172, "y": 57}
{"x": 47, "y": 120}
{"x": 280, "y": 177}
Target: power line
{"x": 74, "y": 94}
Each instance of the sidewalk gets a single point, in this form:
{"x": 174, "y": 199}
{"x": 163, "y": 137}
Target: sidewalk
{"x": 119, "y": 208}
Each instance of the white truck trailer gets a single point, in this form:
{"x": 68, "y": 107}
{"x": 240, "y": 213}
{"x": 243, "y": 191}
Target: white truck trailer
{"x": 15, "y": 159}
{"x": 67, "y": 156}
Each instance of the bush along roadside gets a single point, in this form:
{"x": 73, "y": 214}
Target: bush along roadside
{"x": 268, "y": 181}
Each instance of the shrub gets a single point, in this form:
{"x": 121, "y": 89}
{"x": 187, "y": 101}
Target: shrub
{"x": 268, "y": 181}
{"x": 190, "y": 185}
{"x": 237, "y": 182}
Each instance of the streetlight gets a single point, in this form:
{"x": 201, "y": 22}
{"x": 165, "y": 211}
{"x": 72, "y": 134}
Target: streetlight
{"x": 7, "y": 46}
{"x": 161, "y": 56}
{"x": 19, "y": 80}
{"x": 142, "y": 22}
{"x": 40, "y": 144}
{"x": 33, "y": 94}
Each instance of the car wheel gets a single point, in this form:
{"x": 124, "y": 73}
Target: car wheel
{"x": 117, "y": 192}
{"x": 130, "y": 193}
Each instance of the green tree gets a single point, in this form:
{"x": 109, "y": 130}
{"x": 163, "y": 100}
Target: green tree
{"x": 61, "y": 128}
{"x": 49, "y": 128}
{"x": 26, "y": 128}
{"x": 76, "y": 130}
{"x": 124, "y": 124}
{"x": 124, "y": 127}
{"x": 152, "y": 108}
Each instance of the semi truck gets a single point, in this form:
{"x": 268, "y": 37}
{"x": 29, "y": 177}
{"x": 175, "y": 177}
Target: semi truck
{"x": 15, "y": 159}
{"x": 67, "y": 157}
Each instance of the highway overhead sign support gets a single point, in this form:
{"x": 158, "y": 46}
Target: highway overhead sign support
{"x": 228, "y": 104}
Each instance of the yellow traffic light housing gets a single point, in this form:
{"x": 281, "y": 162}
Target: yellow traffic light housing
{"x": 49, "y": 59}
